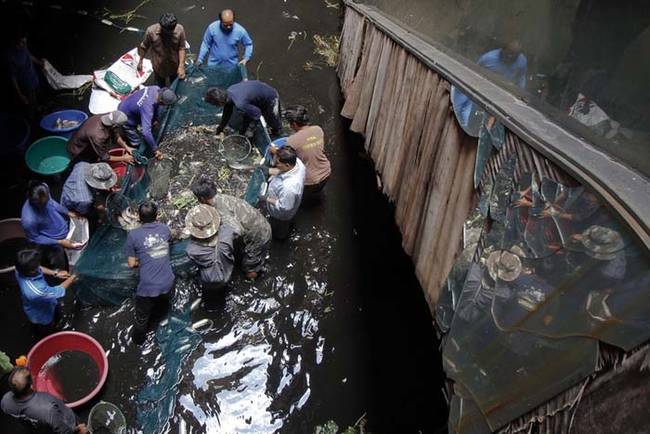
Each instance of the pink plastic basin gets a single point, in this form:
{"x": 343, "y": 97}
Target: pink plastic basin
{"x": 66, "y": 341}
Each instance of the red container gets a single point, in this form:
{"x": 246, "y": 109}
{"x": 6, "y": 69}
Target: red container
{"x": 120, "y": 168}
{"x": 66, "y": 341}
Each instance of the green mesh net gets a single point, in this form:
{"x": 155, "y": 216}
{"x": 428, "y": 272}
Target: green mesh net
{"x": 104, "y": 275}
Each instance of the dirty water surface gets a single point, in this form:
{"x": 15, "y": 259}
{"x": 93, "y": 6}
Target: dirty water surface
{"x": 337, "y": 328}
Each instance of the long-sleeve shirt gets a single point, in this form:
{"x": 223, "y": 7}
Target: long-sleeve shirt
{"x": 91, "y": 141}
{"x": 215, "y": 262}
{"x": 42, "y": 408}
{"x": 77, "y": 194}
{"x": 142, "y": 108}
{"x": 45, "y": 226}
{"x": 222, "y": 48}
{"x": 286, "y": 188}
{"x": 39, "y": 298}
{"x": 514, "y": 72}
{"x": 253, "y": 97}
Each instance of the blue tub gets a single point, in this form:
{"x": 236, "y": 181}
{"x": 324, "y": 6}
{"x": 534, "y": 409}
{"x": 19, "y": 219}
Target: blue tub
{"x": 49, "y": 122}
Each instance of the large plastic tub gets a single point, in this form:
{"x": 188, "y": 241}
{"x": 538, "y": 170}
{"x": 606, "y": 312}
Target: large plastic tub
{"x": 49, "y": 122}
{"x": 48, "y": 156}
{"x": 66, "y": 341}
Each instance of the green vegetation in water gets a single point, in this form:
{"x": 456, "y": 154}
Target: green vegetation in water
{"x": 184, "y": 201}
{"x": 330, "y": 427}
{"x": 127, "y": 16}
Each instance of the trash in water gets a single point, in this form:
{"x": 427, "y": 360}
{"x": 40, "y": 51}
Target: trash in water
{"x": 328, "y": 48}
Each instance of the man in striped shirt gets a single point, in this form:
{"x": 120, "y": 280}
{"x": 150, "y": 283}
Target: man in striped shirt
{"x": 40, "y": 300}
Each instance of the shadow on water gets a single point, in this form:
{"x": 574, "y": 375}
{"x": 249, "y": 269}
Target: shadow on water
{"x": 337, "y": 328}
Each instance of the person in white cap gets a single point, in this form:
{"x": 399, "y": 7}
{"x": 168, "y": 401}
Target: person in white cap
{"x": 98, "y": 135}
{"x": 83, "y": 187}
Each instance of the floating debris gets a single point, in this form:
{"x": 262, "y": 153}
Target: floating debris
{"x": 64, "y": 124}
{"x": 190, "y": 152}
{"x": 332, "y": 5}
{"x": 127, "y": 16}
{"x": 328, "y": 48}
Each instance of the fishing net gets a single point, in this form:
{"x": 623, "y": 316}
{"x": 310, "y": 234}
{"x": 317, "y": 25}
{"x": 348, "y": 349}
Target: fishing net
{"x": 106, "y": 418}
{"x": 187, "y": 139}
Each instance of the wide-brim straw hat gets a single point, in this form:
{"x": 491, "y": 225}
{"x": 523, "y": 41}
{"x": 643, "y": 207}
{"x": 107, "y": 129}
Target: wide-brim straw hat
{"x": 602, "y": 243}
{"x": 202, "y": 222}
{"x": 504, "y": 265}
{"x": 100, "y": 176}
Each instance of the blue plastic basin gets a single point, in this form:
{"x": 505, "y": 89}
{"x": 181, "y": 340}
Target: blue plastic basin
{"x": 48, "y": 123}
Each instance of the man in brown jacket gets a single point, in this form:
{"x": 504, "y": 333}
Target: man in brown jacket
{"x": 166, "y": 43}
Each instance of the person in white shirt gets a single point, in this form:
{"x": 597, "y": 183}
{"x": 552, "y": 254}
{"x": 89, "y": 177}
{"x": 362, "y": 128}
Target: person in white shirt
{"x": 284, "y": 194}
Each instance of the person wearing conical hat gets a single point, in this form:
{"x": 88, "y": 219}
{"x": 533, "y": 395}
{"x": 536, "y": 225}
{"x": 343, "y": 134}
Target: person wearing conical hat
{"x": 83, "y": 187}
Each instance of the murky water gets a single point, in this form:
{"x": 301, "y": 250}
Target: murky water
{"x": 71, "y": 374}
{"x": 337, "y": 327}
{"x": 8, "y": 250}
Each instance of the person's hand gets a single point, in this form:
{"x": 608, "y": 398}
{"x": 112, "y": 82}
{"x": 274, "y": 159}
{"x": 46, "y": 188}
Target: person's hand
{"x": 128, "y": 158}
{"x": 61, "y": 274}
{"x": 273, "y": 149}
{"x": 251, "y": 275}
{"x": 219, "y": 130}
{"x": 181, "y": 72}
{"x": 139, "y": 67}
{"x": 73, "y": 214}
{"x": 129, "y": 150}
{"x": 67, "y": 244}
{"x": 576, "y": 237}
{"x": 243, "y": 62}
{"x": 274, "y": 171}
{"x": 81, "y": 429}
{"x": 522, "y": 201}
{"x": 159, "y": 155}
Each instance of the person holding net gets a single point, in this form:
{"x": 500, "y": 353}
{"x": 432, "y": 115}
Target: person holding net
{"x": 251, "y": 229}
{"x": 142, "y": 109}
{"x": 253, "y": 98}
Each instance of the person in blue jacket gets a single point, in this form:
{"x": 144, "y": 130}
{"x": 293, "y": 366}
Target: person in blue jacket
{"x": 142, "y": 108}
{"x": 253, "y": 98}
{"x": 45, "y": 223}
{"x": 221, "y": 42}
{"x": 40, "y": 300}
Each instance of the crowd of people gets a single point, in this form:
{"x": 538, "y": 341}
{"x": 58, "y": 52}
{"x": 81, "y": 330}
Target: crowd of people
{"x": 225, "y": 231}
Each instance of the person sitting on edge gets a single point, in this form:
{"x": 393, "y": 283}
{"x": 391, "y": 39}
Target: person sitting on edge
{"x": 45, "y": 223}
{"x": 23, "y": 402}
{"x": 96, "y": 136}
{"x": 142, "y": 108}
{"x": 166, "y": 42}
{"x": 147, "y": 247}
{"x": 308, "y": 141}
{"x": 211, "y": 248}
{"x": 85, "y": 187}
{"x": 284, "y": 191}
{"x": 221, "y": 42}
{"x": 249, "y": 224}
{"x": 253, "y": 98}
{"x": 40, "y": 300}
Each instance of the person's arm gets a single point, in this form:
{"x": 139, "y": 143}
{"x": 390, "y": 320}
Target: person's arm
{"x": 285, "y": 200}
{"x": 143, "y": 48}
{"x": 247, "y": 42}
{"x": 205, "y": 46}
{"x": 181, "y": 54}
{"x": 132, "y": 260}
{"x": 33, "y": 235}
{"x": 61, "y": 274}
{"x": 225, "y": 116}
{"x": 147, "y": 120}
{"x": 522, "y": 70}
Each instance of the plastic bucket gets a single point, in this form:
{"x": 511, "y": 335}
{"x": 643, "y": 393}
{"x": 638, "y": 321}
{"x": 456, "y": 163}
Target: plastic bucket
{"x": 48, "y": 156}
{"x": 66, "y": 341}
{"x": 49, "y": 122}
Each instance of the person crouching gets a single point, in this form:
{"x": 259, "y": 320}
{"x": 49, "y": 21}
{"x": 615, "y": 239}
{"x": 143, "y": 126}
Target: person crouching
{"x": 211, "y": 249}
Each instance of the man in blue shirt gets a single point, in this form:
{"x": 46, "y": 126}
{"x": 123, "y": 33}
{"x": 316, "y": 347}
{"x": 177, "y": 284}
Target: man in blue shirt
{"x": 221, "y": 42}
{"x": 40, "y": 300}
{"x": 142, "y": 108}
{"x": 253, "y": 98}
{"x": 147, "y": 247}
{"x": 45, "y": 223}
{"x": 508, "y": 62}
{"x": 84, "y": 185}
